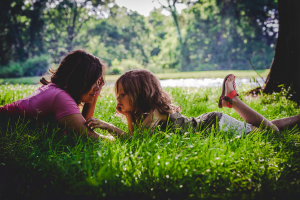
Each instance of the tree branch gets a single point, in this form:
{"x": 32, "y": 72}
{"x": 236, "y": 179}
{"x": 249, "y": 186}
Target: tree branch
{"x": 256, "y": 71}
{"x": 162, "y": 5}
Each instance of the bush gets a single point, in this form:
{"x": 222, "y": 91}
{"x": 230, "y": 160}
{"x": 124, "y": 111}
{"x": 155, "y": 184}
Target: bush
{"x": 115, "y": 71}
{"x": 11, "y": 70}
{"x": 123, "y": 66}
{"x": 35, "y": 66}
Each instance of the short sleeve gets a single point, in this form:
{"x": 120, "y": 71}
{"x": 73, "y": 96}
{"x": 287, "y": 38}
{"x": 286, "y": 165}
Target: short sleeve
{"x": 64, "y": 105}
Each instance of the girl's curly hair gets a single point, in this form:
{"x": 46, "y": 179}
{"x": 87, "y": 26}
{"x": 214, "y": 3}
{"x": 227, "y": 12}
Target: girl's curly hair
{"x": 145, "y": 93}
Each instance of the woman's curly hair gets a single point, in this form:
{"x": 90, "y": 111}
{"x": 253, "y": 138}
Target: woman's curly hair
{"x": 145, "y": 93}
{"x": 77, "y": 73}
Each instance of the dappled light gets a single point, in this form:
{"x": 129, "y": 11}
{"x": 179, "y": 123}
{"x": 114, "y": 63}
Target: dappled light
{"x": 164, "y": 164}
{"x": 174, "y": 128}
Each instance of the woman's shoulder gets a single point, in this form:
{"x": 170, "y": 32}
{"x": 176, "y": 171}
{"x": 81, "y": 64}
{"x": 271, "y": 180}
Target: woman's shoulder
{"x": 52, "y": 90}
{"x": 54, "y": 87}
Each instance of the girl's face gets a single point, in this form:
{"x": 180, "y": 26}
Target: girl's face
{"x": 123, "y": 100}
{"x": 89, "y": 96}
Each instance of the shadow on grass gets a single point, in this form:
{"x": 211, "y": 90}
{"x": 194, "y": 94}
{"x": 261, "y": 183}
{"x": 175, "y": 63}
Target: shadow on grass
{"x": 45, "y": 164}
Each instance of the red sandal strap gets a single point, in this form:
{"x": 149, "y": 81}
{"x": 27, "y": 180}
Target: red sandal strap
{"x": 229, "y": 105}
{"x": 232, "y": 94}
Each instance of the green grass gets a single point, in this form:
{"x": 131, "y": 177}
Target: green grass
{"x": 213, "y": 74}
{"x": 214, "y": 165}
{"x": 22, "y": 80}
{"x": 178, "y": 75}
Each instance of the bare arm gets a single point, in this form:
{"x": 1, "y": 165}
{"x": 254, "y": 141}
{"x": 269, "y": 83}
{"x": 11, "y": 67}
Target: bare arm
{"x": 89, "y": 108}
{"x": 97, "y": 123}
{"x": 130, "y": 123}
{"x": 129, "y": 119}
{"x": 77, "y": 123}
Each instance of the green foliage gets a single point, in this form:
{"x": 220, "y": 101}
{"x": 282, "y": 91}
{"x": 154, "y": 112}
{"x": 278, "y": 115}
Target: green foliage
{"x": 21, "y": 30}
{"x": 163, "y": 165}
{"x": 162, "y": 74}
{"x": 207, "y": 35}
{"x": 65, "y": 19}
{"x": 36, "y": 66}
{"x": 223, "y": 35}
{"x": 124, "y": 65}
{"x": 124, "y": 35}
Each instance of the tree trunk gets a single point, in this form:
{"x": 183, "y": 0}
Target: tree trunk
{"x": 285, "y": 68}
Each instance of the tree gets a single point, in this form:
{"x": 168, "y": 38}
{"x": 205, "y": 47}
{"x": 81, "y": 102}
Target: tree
{"x": 21, "y": 28}
{"x": 124, "y": 35}
{"x": 285, "y": 68}
{"x": 171, "y": 7}
{"x": 222, "y": 34}
{"x": 165, "y": 51}
{"x": 64, "y": 21}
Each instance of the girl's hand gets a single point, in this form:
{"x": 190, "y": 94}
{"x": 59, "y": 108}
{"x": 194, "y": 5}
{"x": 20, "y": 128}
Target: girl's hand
{"x": 119, "y": 110}
{"x": 93, "y": 123}
{"x": 129, "y": 118}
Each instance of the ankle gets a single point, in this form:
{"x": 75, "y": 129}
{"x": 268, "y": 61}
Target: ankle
{"x": 224, "y": 104}
{"x": 235, "y": 101}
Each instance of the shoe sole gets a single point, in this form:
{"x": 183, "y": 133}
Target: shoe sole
{"x": 223, "y": 90}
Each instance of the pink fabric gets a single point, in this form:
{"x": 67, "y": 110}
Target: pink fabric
{"x": 48, "y": 101}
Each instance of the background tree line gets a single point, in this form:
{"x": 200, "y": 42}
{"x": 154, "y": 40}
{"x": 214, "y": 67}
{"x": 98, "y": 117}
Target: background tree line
{"x": 208, "y": 35}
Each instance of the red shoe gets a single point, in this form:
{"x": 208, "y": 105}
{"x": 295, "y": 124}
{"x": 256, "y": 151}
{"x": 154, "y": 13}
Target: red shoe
{"x": 229, "y": 97}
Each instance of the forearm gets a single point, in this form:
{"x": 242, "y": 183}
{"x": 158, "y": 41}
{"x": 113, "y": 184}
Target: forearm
{"x": 89, "y": 109}
{"x": 117, "y": 132}
{"x": 130, "y": 124}
{"x": 91, "y": 133}
{"x": 94, "y": 135}
{"x": 76, "y": 123}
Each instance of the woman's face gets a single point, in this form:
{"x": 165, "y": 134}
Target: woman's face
{"x": 123, "y": 99}
{"x": 89, "y": 96}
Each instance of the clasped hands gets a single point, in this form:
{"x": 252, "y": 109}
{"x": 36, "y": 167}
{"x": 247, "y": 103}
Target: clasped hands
{"x": 93, "y": 123}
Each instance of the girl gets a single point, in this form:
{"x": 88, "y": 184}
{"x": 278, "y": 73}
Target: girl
{"x": 78, "y": 79}
{"x": 142, "y": 101}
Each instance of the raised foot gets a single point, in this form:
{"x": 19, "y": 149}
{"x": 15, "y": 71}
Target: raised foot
{"x": 230, "y": 92}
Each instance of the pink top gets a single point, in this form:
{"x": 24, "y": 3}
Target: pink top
{"x": 48, "y": 101}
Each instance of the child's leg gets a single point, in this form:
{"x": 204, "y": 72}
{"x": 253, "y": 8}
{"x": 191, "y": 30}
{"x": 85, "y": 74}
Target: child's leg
{"x": 286, "y": 122}
{"x": 247, "y": 113}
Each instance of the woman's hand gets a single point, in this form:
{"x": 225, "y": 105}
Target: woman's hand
{"x": 93, "y": 123}
{"x": 89, "y": 108}
{"x": 77, "y": 124}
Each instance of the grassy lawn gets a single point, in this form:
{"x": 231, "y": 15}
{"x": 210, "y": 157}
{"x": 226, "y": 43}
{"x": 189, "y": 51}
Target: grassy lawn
{"x": 22, "y": 80}
{"x": 179, "y": 75}
{"x": 215, "y": 165}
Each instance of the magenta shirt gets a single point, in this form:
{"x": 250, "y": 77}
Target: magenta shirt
{"x": 48, "y": 101}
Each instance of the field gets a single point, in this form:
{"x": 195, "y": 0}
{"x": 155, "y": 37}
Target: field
{"x": 41, "y": 163}
{"x": 179, "y": 75}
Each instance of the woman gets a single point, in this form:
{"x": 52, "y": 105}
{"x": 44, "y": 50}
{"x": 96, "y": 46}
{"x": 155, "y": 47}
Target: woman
{"x": 78, "y": 79}
{"x": 143, "y": 102}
